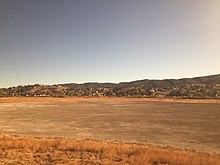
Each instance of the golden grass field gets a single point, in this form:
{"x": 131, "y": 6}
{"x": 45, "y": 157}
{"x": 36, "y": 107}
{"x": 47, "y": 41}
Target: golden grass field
{"x": 29, "y": 150}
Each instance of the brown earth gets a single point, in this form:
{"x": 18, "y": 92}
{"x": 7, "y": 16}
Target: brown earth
{"x": 110, "y": 124}
{"x": 68, "y": 99}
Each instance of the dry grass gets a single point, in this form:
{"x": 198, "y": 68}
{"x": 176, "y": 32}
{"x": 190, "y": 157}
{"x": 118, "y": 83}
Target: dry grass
{"x": 29, "y": 150}
{"x": 70, "y": 99}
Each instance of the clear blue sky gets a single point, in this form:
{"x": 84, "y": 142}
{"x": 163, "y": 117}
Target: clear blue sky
{"x": 59, "y": 41}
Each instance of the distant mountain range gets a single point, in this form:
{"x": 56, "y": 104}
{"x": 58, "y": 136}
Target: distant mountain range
{"x": 208, "y": 80}
{"x": 198, "y": 87}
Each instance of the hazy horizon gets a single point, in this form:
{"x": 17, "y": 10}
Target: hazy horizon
{"x": 60, "y": 83}
{"x": 55, "y": 42}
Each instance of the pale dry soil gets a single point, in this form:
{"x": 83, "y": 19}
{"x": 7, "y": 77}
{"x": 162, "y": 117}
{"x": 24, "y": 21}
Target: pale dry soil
{"x": 179, "y": 124}
{"x": 189, "y": 125}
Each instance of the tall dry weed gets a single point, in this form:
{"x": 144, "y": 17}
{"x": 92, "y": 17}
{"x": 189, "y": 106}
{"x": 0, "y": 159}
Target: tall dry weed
{"x": 28, "y": 150}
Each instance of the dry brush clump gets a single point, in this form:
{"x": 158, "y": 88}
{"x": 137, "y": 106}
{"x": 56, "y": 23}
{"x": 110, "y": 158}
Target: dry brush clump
{"x": 29, "y": 150}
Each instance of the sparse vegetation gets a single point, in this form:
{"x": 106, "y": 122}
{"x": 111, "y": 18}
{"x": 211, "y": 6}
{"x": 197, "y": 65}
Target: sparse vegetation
{"x": 202, "y": 87}
{"x": 29, "y": 150}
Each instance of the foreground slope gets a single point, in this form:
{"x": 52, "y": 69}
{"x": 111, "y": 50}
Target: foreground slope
{"x": 28, "y": 150}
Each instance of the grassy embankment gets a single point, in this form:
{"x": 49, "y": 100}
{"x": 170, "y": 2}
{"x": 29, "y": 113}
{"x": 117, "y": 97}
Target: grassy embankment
{"x": 29, "y": 150}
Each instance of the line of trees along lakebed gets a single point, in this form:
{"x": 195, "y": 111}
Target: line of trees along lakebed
{"x": 199, "y": 87}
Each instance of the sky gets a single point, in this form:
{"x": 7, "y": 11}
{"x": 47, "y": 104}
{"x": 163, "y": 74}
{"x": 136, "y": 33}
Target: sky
{"x": 77, "y": 41}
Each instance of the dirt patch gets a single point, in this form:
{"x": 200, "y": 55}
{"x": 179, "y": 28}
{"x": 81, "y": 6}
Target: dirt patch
{"x": 70, "y": 99}
{"x": 177, "y": 124}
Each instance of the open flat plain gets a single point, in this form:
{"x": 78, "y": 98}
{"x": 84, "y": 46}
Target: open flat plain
{"x": 191, "y": 125}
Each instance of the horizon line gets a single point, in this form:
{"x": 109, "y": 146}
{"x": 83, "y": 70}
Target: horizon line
{"x": 99, "y": 82}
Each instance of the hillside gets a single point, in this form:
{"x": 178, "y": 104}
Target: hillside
{"x": 197, "y": 87}
{"x": 207, "y": 80}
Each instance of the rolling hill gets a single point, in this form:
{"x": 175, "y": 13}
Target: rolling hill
{"x": 205, "y": 87}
